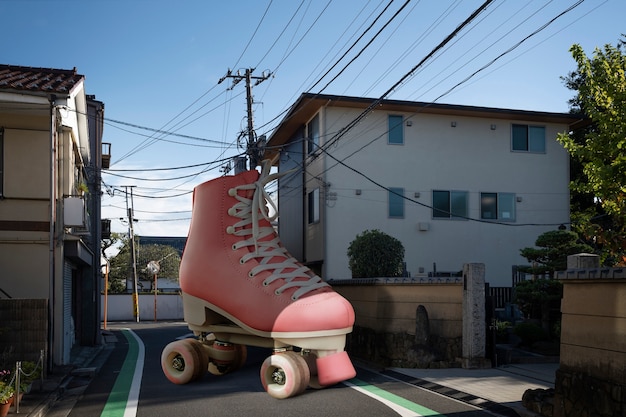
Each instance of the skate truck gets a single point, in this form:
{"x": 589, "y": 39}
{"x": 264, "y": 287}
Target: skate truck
{"x": 241, "y": 288}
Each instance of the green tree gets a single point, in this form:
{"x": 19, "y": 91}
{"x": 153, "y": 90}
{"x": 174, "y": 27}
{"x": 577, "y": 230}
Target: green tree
{"x": 599, "y": 149}
{"x": 538, "y": 297}
{"x": 121, "y": 267}
{"x": 553, "y": 249}
{"x": 375, "y": 254}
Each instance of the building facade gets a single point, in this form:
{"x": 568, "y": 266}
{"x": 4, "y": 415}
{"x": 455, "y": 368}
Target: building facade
{"x": 50, "y": 162}
{"x": 455, "y": 184}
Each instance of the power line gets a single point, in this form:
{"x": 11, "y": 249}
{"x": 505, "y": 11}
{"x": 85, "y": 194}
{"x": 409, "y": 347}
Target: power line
{"x": 431, "y": 207}
{"x": 448, "y": 38}
{"x": 163, "y": 132}
{"x": 170, "y": 168}
{"x": 352, "y": 123}
{"x": 366, "y": 45}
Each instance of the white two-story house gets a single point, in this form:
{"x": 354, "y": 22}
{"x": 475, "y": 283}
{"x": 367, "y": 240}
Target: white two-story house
{"x": 455, "y": 184}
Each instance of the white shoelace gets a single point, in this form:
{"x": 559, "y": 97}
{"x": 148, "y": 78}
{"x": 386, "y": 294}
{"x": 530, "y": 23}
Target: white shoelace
{"x": 248, "y": 210}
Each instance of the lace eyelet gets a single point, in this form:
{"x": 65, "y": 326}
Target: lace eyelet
{"x": 234, "y": 247}
{"x": 250, "y": 274}
{"x": 241, "y": 261}
{"x": 232, "y": 212}
{"x": 265, "y": 283}
{"x": 277, "y": 292}
{"x": 232, "y": 192}
{"x": 293, "y": 298}
{"x": 230, "y": 230}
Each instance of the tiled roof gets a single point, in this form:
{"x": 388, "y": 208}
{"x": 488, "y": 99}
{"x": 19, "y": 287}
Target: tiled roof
{"x": 44, "y": 80}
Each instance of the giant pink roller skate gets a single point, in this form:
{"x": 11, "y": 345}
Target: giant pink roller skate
{"x": 241, "y": 287}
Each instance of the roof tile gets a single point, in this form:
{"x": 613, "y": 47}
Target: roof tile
{"x": 46, "y": 80}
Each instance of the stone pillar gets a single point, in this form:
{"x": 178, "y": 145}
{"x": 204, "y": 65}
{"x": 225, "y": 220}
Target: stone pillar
{"x": 583, "y": 261}
{"x": 474, "y": 326}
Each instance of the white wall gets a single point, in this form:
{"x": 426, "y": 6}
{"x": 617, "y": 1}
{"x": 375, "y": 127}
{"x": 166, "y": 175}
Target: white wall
{"x": 469, "y": 157}
{"x": 120, "y": 307}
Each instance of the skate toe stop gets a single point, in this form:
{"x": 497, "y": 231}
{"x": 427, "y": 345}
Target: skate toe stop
{"x": 334, "y": 368}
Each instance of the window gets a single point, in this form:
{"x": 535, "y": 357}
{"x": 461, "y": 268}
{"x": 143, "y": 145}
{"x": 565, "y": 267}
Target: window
{"x": 497, "y": 206}
{"x": 313, "y": 134}
{"x": 525, "y": 138}
{"x": 396, "y": 130}
{"x": 396, "y": 202}
{"x": 1, "y": 161}
{"x": 314, "y": 206}
{"x": 450, "y": 204}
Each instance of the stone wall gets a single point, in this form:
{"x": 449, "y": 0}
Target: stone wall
{"x": 408, "y": 322}
{"x": 591, "y": 380}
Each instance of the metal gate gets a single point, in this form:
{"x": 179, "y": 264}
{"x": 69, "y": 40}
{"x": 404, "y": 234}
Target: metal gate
{"x": 68, "y": 321}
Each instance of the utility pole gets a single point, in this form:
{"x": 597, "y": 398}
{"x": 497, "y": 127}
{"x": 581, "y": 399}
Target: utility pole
{"x": 254, "y": 146}
{"x": 133, "y": 250}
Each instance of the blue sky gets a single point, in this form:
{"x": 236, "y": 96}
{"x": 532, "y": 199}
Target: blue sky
{"x": 156, "y": 65}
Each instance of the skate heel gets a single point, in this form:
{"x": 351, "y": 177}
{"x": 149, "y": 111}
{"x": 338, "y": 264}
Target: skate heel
{"x": 198, "y": 313}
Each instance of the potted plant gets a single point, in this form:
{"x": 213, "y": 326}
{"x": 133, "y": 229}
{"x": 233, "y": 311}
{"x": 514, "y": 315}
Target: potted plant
{"x": 6, "y": 397}
{"x": 82, "y": 188}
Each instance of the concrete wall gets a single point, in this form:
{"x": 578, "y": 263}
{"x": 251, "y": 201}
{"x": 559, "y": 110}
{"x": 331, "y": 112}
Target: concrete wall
{"x": 119, "y": 307}
{"x": 591, "y": 379}
{"x": 391, "y": 327}
{"x": 378, "y": 306}
{"x": 391, "y": 307}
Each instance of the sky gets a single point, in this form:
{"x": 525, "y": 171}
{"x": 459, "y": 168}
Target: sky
{"x": 157, "y": 64}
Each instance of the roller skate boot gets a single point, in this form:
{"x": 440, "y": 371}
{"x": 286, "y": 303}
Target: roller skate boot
{"x": 241, "y": 287}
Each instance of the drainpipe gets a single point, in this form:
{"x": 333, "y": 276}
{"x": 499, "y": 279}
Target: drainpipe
{"x": 51, "y": 278}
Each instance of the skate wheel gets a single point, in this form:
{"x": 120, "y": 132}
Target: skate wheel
{"x": 226, "y": 357}
{"x": 203, "y": 357}
{"x": 241, "y": 355}
{"x": 304, "y": 370}
{"x": 284, "y": 375}
{"x": 179, "y": 361}
{"x": 314, "y": 382}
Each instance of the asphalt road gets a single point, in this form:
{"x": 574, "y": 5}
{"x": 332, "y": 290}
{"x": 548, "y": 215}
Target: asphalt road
{"x": 241, "y": 393}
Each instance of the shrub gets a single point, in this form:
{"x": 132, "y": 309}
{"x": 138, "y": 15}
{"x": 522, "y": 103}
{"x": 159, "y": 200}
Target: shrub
{"x": 502, "y": 329}
{"x": 530, "y": 333}
{"x": 375, "y": 254}
{"x": 535, "y": 296}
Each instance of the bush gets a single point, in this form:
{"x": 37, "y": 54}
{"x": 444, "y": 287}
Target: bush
{"x": 375, "y": 254}
{"x": 502, "y": 330}
{"x": 530, "y": 333}
{"x": 538, "y": 295}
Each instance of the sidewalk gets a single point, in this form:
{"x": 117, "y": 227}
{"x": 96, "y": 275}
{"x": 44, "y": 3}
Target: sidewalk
{"x": 62, "y": 387}
{"x": 499, "y": 390}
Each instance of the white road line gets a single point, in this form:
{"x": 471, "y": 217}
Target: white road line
{"x": 133, "y": 394}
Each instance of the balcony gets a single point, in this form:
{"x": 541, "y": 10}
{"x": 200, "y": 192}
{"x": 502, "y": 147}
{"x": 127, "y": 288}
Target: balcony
{"x": 106, "y": 155}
